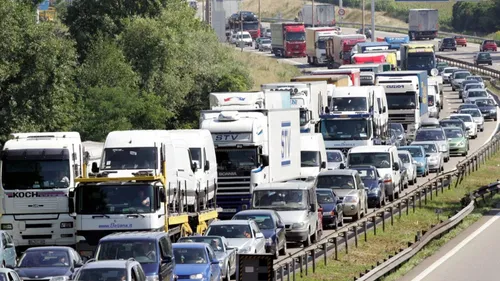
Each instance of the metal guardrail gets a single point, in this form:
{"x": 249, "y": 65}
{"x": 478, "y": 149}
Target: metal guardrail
{"x": 483, "y": 70}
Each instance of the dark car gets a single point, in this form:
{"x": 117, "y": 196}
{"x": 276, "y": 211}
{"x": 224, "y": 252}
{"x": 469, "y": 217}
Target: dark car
{"x": 488, "y": 108}
{"x": 271, "y": 225}
{"x": 483, "y": 58}
{"x": 488, "y": 45}
{"x": 373, "y": 182}
{"x": 448, "y": 44}
{"x": 448, "y": 122}
{"x": 400, "y": 132}
{"x": 333, "y": 210}
{"x": 368, "y": 32}
{"x": 465, "y": 106}
{"x": 152, "y": 249}
{"x": 48, "y": 263}
{"x": 441, "y": 66}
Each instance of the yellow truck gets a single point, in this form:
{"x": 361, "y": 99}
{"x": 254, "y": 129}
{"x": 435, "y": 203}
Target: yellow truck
{"x": 419, "y": 57}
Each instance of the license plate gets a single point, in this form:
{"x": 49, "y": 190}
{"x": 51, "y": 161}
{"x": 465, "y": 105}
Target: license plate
{"x": 36, "y": 242}
{"x": 229, "y": 210}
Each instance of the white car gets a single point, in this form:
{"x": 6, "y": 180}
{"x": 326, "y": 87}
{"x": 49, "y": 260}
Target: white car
{"x": 457, "y": 78}
{"x": 465, "y": 91}
{"x": 410, "y": 165}
{"x": 435, "y": 159}
{"x": 447, "y": 71}
{"x": 245, "y": 37}
{"x": 477, "y": 78}
{"x": 243, "y": 235}
{"x": 476, "y": 115}
{"x": 469, "y": 123}
{"x": 473, "y": 94}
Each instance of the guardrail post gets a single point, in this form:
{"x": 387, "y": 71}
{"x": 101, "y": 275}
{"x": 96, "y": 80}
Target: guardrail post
{"x": 324, "y": 248}
{"x": 288, "y": 271}
{"x": 399, "y": 210}
{"x": 448, "y": 180}
{"x": 355, "y": 228}
{"x": 406, "y": 201}
{"x": 293, "y": 269}
{"x": 313, "y": 254}
{"x": 391, "y": 210}
{"x": 365, "y": 230}
{"x": 419, "y": 193}
{"x": 430, "y": 191}
{"x": 336, "y": 243}
{"x": 306, "y": 261}
{"x": 413, "y": 201}
{"x": 425, "y": 195}
{"x": 374, "y": 219}
{"x": 436, "y": 186}
{"x": 301, "y": 263}
{"x": 442, "y": 184}
{"x": 382, "y": 215}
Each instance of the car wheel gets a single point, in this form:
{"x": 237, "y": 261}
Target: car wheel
{"x": 341, "y": 220}
{"x": 453, "y": 88}
{"x": 283, "y": 250}
{"x": 307, "y": 243}
{"x": 442, "y": 168}
{"x": 446, "y": 159}
{"x": 495, "y": 119}
{"x": 227, "y": 277}
{"x": 464, "y": 154}
{"x": 275, "y": 252}
{"x": 491, "y": 63}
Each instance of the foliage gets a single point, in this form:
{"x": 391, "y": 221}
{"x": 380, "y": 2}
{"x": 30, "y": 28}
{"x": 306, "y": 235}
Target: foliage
{"x": 481, "y": 17}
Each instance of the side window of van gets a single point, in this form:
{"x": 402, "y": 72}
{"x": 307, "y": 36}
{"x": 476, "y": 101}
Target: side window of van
{"x": 165, "y": 247}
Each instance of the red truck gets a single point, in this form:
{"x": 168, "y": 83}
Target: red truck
{"x": 288, "y": 39}
{"x": 338, "y": 49}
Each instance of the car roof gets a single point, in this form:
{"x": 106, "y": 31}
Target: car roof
{"x": 362, "y": 167}
{"x": 189, "y": 245}
{"x": 255, "y": 212}
{"x": 134, "y": 235}
{"x": 231, "y": 222}
{"x": 424, "y": 142}
{"x": 338, "y": 172}
{"x": 48, "y": 248}
{"x": 108, "y": 264}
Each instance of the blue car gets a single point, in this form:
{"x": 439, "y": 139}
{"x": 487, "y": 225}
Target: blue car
{"x": 196, "y": 261}
{"x": 333, "y": 209}
{"x": 8, "y": 256}
{"x": 373, "y": 182}
{"x": 418, "y": 154}
{"x": 271, "y": 225}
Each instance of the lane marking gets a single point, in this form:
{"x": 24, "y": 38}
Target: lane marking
{"x": 457, "y": 248}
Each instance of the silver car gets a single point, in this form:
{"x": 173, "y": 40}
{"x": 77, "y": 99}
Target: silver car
{"x": 467, "y": 85}
{"x": 473, "y": 94}
{"x": 446, "y": 74}
{"x": 477, "y": 116}
{"x": 265, "y": 45}
{"x": 436, "y": 135}
{"x": 243, "y": 235}
{"x": 409, "y": 164}
{"x": 334, "y": 159}
{"x": 477, "y": 78}
{"x": 435, "y": 159}
{"x": 457, "y": 78}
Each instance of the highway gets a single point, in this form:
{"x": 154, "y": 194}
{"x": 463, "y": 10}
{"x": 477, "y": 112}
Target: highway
{"x": 451, "y": 103}
{"x": 472, "y": 255}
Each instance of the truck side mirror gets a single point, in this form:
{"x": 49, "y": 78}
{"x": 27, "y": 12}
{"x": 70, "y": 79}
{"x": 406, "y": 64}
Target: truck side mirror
{"x": 71, "y": 202}
{"x": 323, "y": 165}
{"x": 342, "y": 166}
{"x": 207, "y": 165}
{"x": 162, "y": 196}
{"x": 95, "y": 169}
{"x": 395, "y": 166}
{"x": 194, "y": 167}
{"x": 419, "y": 99}
{"x": 384, "y": 109}
{"x": 265, "y": 160}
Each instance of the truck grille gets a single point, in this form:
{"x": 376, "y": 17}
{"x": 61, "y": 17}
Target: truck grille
{"x": 402, "y": 118}
{"x": 39, "y": 225}
{"x": 233, "y": 192}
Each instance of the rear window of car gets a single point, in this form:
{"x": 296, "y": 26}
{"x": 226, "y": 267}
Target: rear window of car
{"x": 489, "y": 42}
{"x": 448, "y": 40}
{"x": 484, "y": 56}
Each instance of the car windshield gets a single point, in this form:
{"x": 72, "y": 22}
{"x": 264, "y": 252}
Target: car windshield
{"x": 484, "y": 102}
{"x": 461, "y": 75}
{"x": 404, "y": 157}
{"x": 265, "y": 41}
{"x": 428, "y": 147}
{"x": 473, "y": 113}
{"x": 397, "y": 127}
{"x": 325, "y": 197}
{"x": 45, "y": 258}
{"x": 453, "y": 133}
{"x": 472, "y": 86}
{"x": 334, "y": 156}
{"x": 346, "y": 129}
{"x": 475, "y": 94}
{"x": 465, "y": 118}
{"x": 415, "y": 152}
{"x": 230, "y": 231}
{"x": 190, "y": 255}
{"x": 262, "y": 220}
{"x": 295, "y": 36}
{"x": 425, "y": 135}
{"x": 102, "y": 274}
{"x": 446, "y": 124}
{"x": 366, "y": 174}
{"x": 309, "y": 159}
{"x": 379, "y": 160}
{"x": 215, "y": 242}
{"x": 449, "y": 70}
{"x": 467, "y": 105}
{"x": 335, "y": 181}
{"x": 142, "y": 251}
{"x": 293, "y": 199}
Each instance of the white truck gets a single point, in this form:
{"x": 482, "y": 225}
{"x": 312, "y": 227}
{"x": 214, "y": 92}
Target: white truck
{"x": 146, "y": 182}
{"x": 312, "y": 155}
{"x": 423, "y": 24}
{"x": 316, "y": 38}
{"x": 310, "y": 97}
{"x": 324, "y": 14}
{"x": 252, "y": 146}
{"x": 38, "y": 172}
{"x": 356, "y": 118}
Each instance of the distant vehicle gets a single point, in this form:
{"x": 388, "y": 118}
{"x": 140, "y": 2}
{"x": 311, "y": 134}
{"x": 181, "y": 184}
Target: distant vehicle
{"x": 448, "y": 122}
{"x": 271, "y": 225}
{"x": 126, "y": 270}
{"x": 459, "y": 143}
{"x": 488, "y": 45}
{"x": 8, "y": 255}
{"x": 476, "y": 115}
{"x": 410, "y": 165}
{"x": 446, "y": 74}
{"x": 466, "y": 85}
{"x": 483, "y": 58}
{"x": 457, "y": 78}
{"x": 447, "y": 44}
{"x": 335, "y": 159}
{"x": 404, "y": 174}
{"x": 418, "y": 154}
{"x": 435, "y": 159}
{"x": 244, "y": 37}
{"x": 477, "y": 78}
{"x": 465, "y": 106}
{"x": 333, "y": 209}
{"x": 244, "y": 235}
{"x": 469, "y": 87}
{"x": 400, "y": 131}
{"x": 461, "y": 40}
{"x": 436, "y": 135}
{"x": 373, "y": 183}
{"x": 469, "y": 123}
{"x": 196, "y": 260}
{"x": 473, "y": 94}
{"x": 265, "y": 45}
{"x": 488, "y": 108}
{"x": 368, "y": 32}
{"x": 441, "y": 66}
{"x": 225, "y": 254}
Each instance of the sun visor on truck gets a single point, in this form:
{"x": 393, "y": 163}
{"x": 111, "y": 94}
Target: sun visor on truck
{"x": 36, "y": 154}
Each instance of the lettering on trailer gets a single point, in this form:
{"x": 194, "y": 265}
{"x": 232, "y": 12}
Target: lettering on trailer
{"x": 232, "y": 137}
{"x": 286, "y": 148}
{"x": 33, "y": 194}
{"x": 116, "y": 225}
{"x": 298, "y": 102}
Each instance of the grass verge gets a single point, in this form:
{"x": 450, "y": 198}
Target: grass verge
{"x": 264, "y": 70}
{"x": 489, "y": 85}
{"x": 404, "y": 230}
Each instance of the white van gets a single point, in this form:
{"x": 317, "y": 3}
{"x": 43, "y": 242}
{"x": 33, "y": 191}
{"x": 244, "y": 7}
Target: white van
{"x": 202, "y": 150}
{"x": 432, "y": 102}
{"x": 385, "y": 158}
{"x": 297, "y": 205}
{"x": 381, "y": 109}
{"x": 313, "y": 158}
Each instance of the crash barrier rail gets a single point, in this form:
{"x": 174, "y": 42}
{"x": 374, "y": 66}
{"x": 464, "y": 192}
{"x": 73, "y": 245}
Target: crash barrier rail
{"x": 393, "y": 263}
{"x": 403, "y": 30}
{"x": 483, "y": 70}
{"x": 298, "y": 262}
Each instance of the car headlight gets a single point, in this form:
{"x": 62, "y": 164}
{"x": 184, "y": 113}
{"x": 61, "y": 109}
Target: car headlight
{"x": 420, "y": 164}
{"x": 59, "y": 278}
{"x": 269, "y": 241}
{"x": 299, "y": 225}
{"x": 462, "y": 143}
{"x": 196, "y": 276}
{"x": 152, "y": 278}
{"x": 351, "y": 199}
{"x": 493, "y": 110}
{"x": 443, "y": 147}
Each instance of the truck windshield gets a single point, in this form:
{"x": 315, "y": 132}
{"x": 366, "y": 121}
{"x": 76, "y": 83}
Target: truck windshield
{"x": 379, "y": 160}
{"x": 281, "y": 200}
{"x": 349, "y": 104}
{"x": 346, "y": 129}
{"x": 250, "y": 26}
{"x": 421, "y": 61}
{"x": 35, "y": 174}
{"x": 196, "y": 155}
{"x": 129, "y": 158}
{"x": 295, "y": 36}
{"x": 309, "y": 159}
{"x": 304, "y": 116}
{"x": 115, "y": 199}
{"x": 236, "y": 162}
{"x": 321, "y": 44}
{"x": 402, "y": 101}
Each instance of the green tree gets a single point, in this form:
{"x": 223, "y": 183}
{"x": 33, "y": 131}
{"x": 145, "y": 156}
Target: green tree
{"x": 37, "y": 67}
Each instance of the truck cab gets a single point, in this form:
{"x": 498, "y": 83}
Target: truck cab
{"x": 312, "y": 155}
{"x": 316, "y": 38}
{"x": 368, "y": 71}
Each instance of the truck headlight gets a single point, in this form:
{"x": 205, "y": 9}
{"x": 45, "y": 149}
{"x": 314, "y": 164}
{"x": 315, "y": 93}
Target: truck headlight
{"x": 7, "y": 226}
{"x": 444, "y": 148}
{"x": 196, "y": 276}
{"x": 66, "y": 224}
